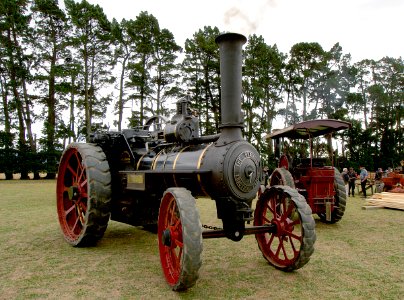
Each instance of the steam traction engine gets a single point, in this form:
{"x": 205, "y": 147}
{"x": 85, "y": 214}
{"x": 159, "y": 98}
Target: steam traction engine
{"x": 149, "y": 177}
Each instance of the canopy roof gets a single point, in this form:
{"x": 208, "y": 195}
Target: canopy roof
{"x": 312, "y": 128}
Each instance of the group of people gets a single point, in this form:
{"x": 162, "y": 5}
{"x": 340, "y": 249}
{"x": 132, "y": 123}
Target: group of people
{"x": 350, "y": 179}
{"x": 351, "y": 176}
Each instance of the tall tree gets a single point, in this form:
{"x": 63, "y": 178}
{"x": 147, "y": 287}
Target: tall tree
{"x": 5, "y": 117}
{"x": 92, "y": 37}
{"x": 308, "y": 60}
{"x": 49, "y": 45}
{"x": 15, "y": 32}
{"x": 124, "y": 52}
{"x": 331, "y": 86}
{"x": 263, "y": 87}
{"x": 166, "y": 70}
{"x": 292, "y": 81}
{"x": 143, "y": 32}
{"x": 363, "y": 78}
{"x": 201, "y": 76}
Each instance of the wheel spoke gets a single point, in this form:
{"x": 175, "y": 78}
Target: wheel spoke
{"x": 68, "y": 211}
{"x": 74, "y": 173}
{"x": 83, "y": 184}
{"x": 80, "y": 213}
{"x": 75, "y": 224}
{"x": 292, "y": 244}
{"x": 289, "y": 209}
{"x": 81, "y": 174}
{"x": 285, "y": 255}
{"x": 177, "y": 257}
{"x": 179, "y": 243}
{"x": 271, "y": 205}
{"x": 282, "y": 214}
{"x": 82, "y": 206}
{"x": 295, "y": 236}
{"x": 266, "y": 220}
{"x": 279, "y": 247}
{"x": 177, "y": 225}
{"x": 271, "y": 239}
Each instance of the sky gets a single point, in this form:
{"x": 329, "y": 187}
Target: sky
{"x": 367, "y": 29}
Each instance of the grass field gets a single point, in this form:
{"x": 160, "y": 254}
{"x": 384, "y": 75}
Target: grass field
{"x": 361, "y": 257}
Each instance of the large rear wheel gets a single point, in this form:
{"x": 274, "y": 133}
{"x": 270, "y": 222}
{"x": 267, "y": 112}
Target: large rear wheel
{"x": 339, "y": 200}
{"x": 83, "y": 194}
{"x": 292, "y": 243}
{"x": 180, "y": 238}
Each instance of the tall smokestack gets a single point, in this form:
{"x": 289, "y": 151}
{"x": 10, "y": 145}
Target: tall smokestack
{"x": 230, "y": 45}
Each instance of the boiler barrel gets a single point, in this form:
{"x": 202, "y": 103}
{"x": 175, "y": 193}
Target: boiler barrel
{"x": 181, "y": 167}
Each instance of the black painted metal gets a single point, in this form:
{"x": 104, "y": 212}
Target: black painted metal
{"x": 145, "y": 162}
{"x": 211, "y": 234}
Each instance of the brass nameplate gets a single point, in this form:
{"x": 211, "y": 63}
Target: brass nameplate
{"x": 136, "y": 182}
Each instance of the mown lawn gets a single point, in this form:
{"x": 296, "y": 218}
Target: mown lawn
{"x": 361, "y": 257}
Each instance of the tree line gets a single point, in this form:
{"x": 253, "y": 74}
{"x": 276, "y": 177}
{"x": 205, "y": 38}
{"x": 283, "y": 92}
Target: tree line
{"x": 63, "y": 67}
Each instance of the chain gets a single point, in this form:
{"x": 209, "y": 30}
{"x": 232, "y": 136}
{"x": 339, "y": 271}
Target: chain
{"x": 211, "y": 227}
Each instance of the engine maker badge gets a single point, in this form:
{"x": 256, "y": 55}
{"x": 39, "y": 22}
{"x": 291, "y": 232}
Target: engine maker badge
{"x": 246, "y": 173}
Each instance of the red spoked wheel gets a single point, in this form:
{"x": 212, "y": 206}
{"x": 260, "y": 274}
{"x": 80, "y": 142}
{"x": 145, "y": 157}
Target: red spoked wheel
{"x": 83, "y": 194}
{"x": 180, "y": 238}
{"x": 291, "y": 245}
{"x": 281, "y": 176}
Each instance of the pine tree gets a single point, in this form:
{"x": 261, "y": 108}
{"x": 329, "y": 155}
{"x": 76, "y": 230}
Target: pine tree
{"x": 201, "y": 77}
{"x": 92, "y": 40}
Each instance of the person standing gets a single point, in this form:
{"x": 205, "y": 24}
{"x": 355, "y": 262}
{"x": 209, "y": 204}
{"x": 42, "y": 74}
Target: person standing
{"x": 345, "y": 176}
{"x": 352, "y": 178}
{"x": 378, "y": 180}
{"x": 364, "y": 178}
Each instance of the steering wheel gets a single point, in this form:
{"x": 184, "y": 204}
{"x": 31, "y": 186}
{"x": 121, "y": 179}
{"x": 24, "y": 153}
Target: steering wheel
{"x": 157, "y": 123}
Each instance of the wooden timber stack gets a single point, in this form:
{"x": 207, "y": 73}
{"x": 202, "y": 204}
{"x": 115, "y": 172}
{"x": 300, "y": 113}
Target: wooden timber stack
{"x": 385, "y": 200}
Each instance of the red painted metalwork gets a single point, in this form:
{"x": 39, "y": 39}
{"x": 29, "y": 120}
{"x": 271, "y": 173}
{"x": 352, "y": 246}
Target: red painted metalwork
{"x": 321, "y": 185}
{"x": 391, "y": 181}
{"x": 284, "y": 162}
{"x": 318, "y": 184}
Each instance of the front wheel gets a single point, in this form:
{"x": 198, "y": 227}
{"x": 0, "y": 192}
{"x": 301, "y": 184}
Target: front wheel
{"x": 83, "y": 194}
{"x": 281, "y": 176}
{"x": 292, "y": 243}
{"x": 179, "y": 238}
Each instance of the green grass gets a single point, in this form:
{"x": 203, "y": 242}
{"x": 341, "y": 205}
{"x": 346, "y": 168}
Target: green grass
{"x": 361, "y": 257}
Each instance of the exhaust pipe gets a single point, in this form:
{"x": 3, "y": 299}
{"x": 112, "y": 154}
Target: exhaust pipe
{"x": 230, "y": 45}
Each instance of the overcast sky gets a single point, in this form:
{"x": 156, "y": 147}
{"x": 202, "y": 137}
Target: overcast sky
{"x": 368, "y": 29}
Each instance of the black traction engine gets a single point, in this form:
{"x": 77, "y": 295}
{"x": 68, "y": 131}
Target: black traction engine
{"x": 150, "y": 177}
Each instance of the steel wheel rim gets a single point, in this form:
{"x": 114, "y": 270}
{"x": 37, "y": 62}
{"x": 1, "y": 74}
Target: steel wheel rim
{"x": 277, "y": 179}
{"x": 170, "y": 256}
{"x": 281, "y": 176}
{"x": 282, "y": 248}
{"x": 72, "y": 195}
